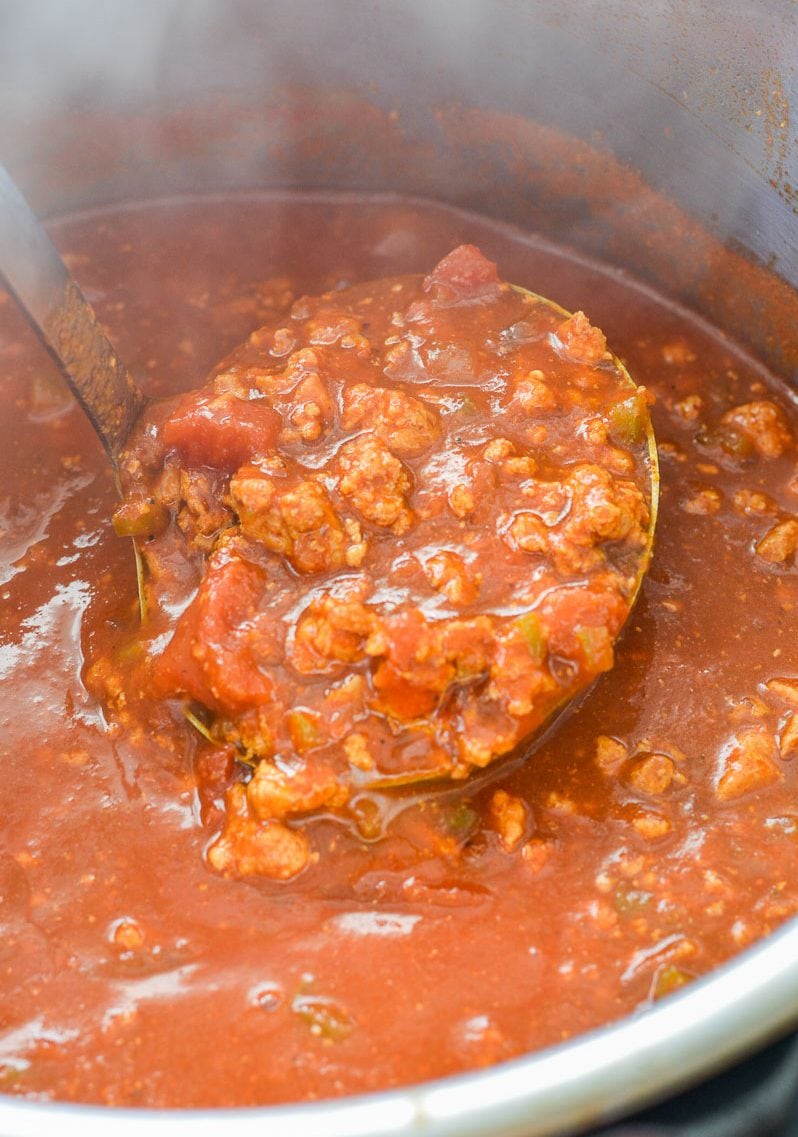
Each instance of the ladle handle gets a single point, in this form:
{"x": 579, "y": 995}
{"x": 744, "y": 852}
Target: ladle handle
{"x": 65, "y": 320}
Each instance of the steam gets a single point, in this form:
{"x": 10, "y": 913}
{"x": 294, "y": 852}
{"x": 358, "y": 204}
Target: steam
{"x": 705, "y": 117}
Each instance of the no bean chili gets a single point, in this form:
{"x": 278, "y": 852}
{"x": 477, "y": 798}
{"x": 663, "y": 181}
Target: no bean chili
{"x": 651, "y": 836}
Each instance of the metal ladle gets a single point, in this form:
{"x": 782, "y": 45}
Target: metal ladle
{"x": 65, "y": 321}
{"x": 112, "y": 399}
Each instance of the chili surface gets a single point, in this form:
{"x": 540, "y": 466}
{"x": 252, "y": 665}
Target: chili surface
{"x": 653, "y": 834}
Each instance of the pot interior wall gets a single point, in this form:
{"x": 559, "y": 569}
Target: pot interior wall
{"x": 655, "y": 137}
{"x": 624, "y": 130}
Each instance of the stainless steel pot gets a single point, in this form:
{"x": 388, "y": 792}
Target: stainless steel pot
{"x": 658, "y": 136}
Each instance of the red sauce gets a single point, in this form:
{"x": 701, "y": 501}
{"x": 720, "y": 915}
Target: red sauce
{"x": 660, "y": 834}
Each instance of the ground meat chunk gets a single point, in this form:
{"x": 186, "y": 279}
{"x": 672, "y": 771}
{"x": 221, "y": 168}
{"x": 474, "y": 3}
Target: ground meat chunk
{"x": 763, "y": 424}
{"x": 747, "y": 762}
{"x": 534, "y": 394}
{"x": 376, "y": 482}
{"x": 193, "y": 496}
{"x": 610, "y": 754}
{"x": 397, "y": 419}
{"x": 651, "y": 825}
{"x": 280, "y": 342}
{"x": 536, "y": 854}
{"x": 251, "y": 732}
{"x": 447, "y": 572}
{"x": 651, "y": 773}
{"x": 515, "y": 681}
{"x": 293, "y": 517}
{"x": 357, "y": 751}
{"x": 461, "y": 500}
{"x": 605, "y": 508}
{"x": 498, "y": 449}
{"x": 567, "y": 520}
{"x": 329, "y": 325}
{"x": 487, "y": 730}
{"x": 274, "y": 792}
{"x": 344, "y": 703}
{"x": 202, "y": 514}
{"x": 752, "y": 503}
{"x": 510, "y": 816}
{"x": 581, "y": 341}
{"x": 689, "y": 408}
{"x": 249, "y": 847}
{"x": 706, "y": 501}
{"x": 551, "y": 501}
{"x": 332, "y": 629}
{"x": 313, "y": 410}
{"x": 780, "y": 543}
{"x": 525, "y": 531}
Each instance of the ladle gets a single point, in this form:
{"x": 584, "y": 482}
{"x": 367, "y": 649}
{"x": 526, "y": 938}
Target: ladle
{"x": 65, "y": 321}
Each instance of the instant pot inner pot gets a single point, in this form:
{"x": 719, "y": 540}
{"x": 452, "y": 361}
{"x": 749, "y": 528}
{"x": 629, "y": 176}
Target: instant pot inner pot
{"x": 658, "y": 139}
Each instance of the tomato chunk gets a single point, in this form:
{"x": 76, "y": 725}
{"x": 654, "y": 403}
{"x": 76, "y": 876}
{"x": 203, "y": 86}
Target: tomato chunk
{"x": 465, "y": 274}
{"x": 213, "y": 654}
{"x": 221, "y": 431}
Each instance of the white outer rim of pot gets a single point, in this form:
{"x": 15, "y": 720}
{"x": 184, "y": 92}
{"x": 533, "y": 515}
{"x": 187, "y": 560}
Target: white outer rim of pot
{"x": 564, "y": 1089}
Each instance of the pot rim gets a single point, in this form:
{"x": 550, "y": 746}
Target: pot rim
{"x": 563, "y": 1089}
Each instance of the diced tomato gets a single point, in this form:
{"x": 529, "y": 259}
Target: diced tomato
{"x": 221, "y": 431}
{"x": 212, "y": 656}
{"x": 465, "y": 274}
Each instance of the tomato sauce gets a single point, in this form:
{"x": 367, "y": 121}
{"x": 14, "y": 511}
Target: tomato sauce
{"x": 649, "y": 837}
